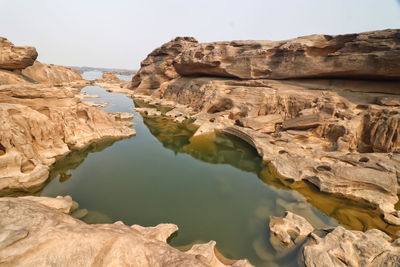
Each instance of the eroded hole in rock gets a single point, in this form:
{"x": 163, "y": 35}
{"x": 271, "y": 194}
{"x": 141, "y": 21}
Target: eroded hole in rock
{"x": 45, "y": 111}
{"x": 222, "y": 105}
{"x": 282, "y": 152}
{"x": 13, "y": 112}
{"x": 2, "y": 150}
{"x": 324, "y": 168}
{"x": 27, "y": 166}
{"x": 82, "y": 114}
{"x": 363, "y": 159}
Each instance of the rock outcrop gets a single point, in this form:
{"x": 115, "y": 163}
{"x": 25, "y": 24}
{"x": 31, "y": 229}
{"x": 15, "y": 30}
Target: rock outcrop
{"x": 365, "y": 55}
{"x": 16, "y": 57}
{"x": 37, "y": 235}
{"x": 40, "y": 123}
{"x": 342, "y": 135}
{"x": 51, "y": 74}
{"x": 339, "y": 247}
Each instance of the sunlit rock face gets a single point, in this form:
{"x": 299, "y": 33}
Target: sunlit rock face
{"x": 342, "y": 135}
{"x": 16, "y": 57}
{"x": 60, "y": 240}
{"x": 53, "y": 74}
{"x": 339, "y": 247}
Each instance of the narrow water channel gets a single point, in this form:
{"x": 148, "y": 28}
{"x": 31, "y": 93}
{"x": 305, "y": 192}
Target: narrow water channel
{"x": 212, "y": 189}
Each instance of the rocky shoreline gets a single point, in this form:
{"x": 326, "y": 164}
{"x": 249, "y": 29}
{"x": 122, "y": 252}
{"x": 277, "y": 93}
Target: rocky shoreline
{"x": 43, "y": 119}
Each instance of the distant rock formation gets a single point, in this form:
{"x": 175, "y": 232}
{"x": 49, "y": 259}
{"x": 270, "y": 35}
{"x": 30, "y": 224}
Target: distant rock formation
{"x": 341, "y": 134}
{"x": 52, "y": 74}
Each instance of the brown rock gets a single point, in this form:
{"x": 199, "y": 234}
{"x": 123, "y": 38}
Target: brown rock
{"x": 16, "y": 57}
{"x": 52, "y": 74}
{"x": 157, "y": 67}
{"x": 60, "y": 240}
{"x": 370, "y": 54}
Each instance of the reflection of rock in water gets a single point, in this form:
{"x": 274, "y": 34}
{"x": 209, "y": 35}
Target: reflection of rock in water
{"x": 96, "y": 217}
{"x": 216, "y": 149}
{"x": 222, "y": 149}
{"x": 70, "y": 162}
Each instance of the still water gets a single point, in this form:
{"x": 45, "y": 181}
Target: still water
{"x": 212, "y": 188}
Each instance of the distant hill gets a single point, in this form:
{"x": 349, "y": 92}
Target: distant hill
{"x": 117, "y": 71}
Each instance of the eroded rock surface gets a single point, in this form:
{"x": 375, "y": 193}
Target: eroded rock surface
{"x": 40, "y": 123}
{"x": 339, "y": 247}
{"x": 370, "y": 54}
{"x": 16, "y": 57}
{"x": 341, "y": 135}
{"x": 60, "y": 240}
{"x": 53, "y": 74}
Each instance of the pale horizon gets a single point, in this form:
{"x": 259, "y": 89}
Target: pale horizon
{"x": 120, "y": 34}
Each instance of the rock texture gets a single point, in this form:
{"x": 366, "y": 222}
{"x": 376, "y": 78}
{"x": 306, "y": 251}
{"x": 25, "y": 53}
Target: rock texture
{"x": 342, "y": 135}
{"x": 53, "y": 74}
{"x": 16, "y": 57}
{"x": 60, "y": 240}
{"x": 339, "y": 247}
{"x": 370, "y": 55}
{"x": 40, "y": 123}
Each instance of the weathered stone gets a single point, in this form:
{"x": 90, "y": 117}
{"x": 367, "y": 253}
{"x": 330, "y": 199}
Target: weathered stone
{"x": 122, "y": 116}
{"x": 16, "y": 57}
{"x": 62, "y": 204}
{"x": 60, "y": 240}
{"x": 38, "y": 124}
{"x": 288, "y": 226}
{"x": 303, "y": 122}
{"x": 51, "y": 74}
{"x": 263, "y": 124}
{"x": 370, "y": 54}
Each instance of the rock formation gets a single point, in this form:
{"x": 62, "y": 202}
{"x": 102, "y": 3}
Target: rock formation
{"x": 36, "y": 235}
{"x": 40, "y": 122}
{"x": 342, "y": 135}
{"x": 339, "y": 247}
{"x": 16, "y": 57}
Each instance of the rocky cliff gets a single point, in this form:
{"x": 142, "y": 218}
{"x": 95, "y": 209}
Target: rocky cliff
{"x": 52, "y": 74}
{"x": 339, "y": 132}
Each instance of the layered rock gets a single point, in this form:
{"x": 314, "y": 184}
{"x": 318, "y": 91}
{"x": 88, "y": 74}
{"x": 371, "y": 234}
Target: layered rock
{"x": 339, "y": 247}
{"x": 40, "y": 123}
{"x": 52, "y": 74}
{"x": 158, "y": 66}
{"x": 343, "y": 136}
{"x": 365, "y": 55}
{"x": 16, "y": 57}
{"x": 60, "y": 240}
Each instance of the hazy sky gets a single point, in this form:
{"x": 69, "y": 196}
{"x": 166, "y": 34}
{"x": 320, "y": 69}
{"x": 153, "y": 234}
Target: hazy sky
{"x": 120, "y": 33}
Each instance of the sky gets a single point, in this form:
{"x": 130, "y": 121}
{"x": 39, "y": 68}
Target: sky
{"x": 120, "y": 33}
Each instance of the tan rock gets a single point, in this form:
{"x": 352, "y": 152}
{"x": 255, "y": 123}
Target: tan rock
{"x": 16, "y": 57}
{"x": 52, "y": 74}
{"x": 62, "y": 204}
{"x": 122, "y": 116}
{"x": 9, "y": 77}
{"x": 369, "y": 54}
{"x": 38, "y": 124}
{"x": 58, "y": 239}
{"x": 288, "y": 226}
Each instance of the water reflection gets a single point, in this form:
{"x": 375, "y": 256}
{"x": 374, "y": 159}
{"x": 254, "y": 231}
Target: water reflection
{"x": 224, "y": 149}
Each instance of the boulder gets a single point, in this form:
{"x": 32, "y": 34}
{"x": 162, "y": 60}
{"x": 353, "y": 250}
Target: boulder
{"x": 16, "y": 57}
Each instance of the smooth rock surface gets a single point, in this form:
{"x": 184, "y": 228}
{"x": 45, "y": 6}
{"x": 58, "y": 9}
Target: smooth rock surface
{"x": 52, "y": 74}
{"x": 35, "y": 235}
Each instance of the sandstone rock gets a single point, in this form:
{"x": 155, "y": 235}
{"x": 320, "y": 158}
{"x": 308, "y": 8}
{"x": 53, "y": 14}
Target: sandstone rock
{"x": 157, "y": 67}
{"x": 62, "y": 204}
{"x": 110, "y": 76}
{"x": 369, "y": 54}
{"x": 38, "y": 124}
{"x": 16, "y": 57}
{"x": 340, "y": 247}
{"x": 263, "y": 124}
{"x": 58, "y": 239}
{"x": 9, "y": 77}
{"x": 288, "y": 226}
{"x": 303, "y": 122}
{"x": 52, "y": 74}
{"x": 122, "y": 116}
{"x": 149, "y": 112}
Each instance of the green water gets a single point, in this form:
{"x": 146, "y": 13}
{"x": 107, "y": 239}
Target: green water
{"x": 212, "y": 188}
